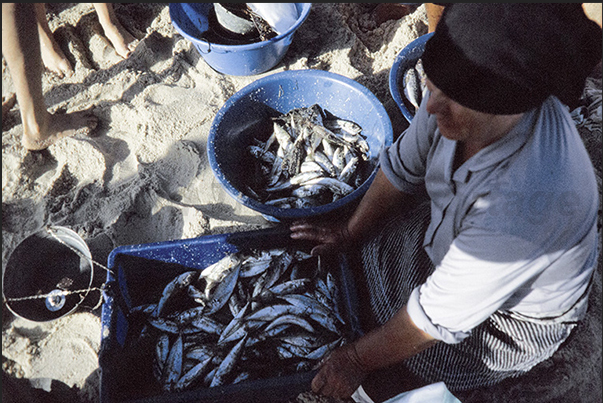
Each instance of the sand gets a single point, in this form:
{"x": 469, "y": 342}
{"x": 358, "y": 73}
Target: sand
{"x": 144, "y": 177}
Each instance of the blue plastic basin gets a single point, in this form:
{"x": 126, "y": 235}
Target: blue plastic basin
{"x": 247, "y": 112}
{"x": 191, "y": 20}
{"x": 406, "y": 59}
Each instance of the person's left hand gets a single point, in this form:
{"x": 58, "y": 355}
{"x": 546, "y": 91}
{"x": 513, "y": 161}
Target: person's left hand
{"x": 340, "y": 374}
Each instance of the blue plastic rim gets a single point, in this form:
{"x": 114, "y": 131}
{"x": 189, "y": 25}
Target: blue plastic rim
{"x": 404, "y": 60}
{"x": 233, "y": 128}
{"x": 191, "y": 20}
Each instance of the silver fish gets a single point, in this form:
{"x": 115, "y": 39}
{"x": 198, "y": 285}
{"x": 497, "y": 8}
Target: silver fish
{"x": 173, "y": 366}
{"x": 199, "y": 352}
{"x": 295, "y": 180}
{"x": 236, "y": 321}
{"x": 172, "y": 288}
{"x": 194, "y": 373}
{"x": 292, "y": 320}
{"x": 214, "y": 273}
{"x": 164, "y": 325}
{"x": 339, "y": 160}
{"x": 348, "y": 170}
{"x": 282, "y": 136}
{"x": 271, "y": 312}
{"x": 228, "y": 363}
{"x": 288, "y": 287}
{"x": 162, "y": 350}
{"x": 412, "y": 87}
{"x": 256, "y": 265}
{"x": 322, "y": 351}
{"x": 223, "y": 290}
{"x": 335, "y": 185}
{"x": 263, "y": 155}
{"x": 348, "y": 126}
{"x": 207, "y": 324}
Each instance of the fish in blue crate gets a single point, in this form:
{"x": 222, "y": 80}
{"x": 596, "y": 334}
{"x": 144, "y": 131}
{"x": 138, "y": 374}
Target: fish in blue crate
{"x": 231, "y": 321}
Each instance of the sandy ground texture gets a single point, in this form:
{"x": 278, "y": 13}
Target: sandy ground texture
{"x": 144, "y": 177}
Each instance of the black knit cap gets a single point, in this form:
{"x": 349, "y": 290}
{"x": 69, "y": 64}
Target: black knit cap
{"x": 508, "y": 58}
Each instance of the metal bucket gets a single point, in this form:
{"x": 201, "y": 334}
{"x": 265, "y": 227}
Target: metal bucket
{"x": 48, "y": 275}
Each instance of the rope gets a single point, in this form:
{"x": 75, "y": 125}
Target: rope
{"x": 65, "y": 292}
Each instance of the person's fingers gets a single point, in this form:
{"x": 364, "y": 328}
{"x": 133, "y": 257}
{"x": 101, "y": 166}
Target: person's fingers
{"x": 300, "y": 226}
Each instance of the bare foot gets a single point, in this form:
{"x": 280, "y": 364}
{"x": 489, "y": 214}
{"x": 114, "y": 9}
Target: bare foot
{"x": 8, "y": 102}
{"x": 123, "y": 42}
{"x": 60, "y": 125}
{"x": 53, "y": 57}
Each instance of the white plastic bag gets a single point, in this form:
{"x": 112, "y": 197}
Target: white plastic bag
{"x": 434, "y": 393}
{"x": 280, "y": 16}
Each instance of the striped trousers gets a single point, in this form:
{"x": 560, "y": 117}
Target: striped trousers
{"x": 505, "y": 345}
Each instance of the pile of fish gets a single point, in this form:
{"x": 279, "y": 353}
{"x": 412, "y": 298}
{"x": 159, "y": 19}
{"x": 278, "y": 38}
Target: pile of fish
{"x": 311, "y": 158}
{"x": 251, "y": 315}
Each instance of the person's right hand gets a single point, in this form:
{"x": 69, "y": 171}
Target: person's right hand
{"x": 340, "y": 374}
{"x": 330, "y": 238}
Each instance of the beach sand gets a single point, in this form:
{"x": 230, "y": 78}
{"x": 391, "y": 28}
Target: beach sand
{"x": 144, "y": 177}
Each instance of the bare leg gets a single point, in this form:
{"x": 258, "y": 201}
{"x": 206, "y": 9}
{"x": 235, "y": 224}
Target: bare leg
{"x": 123, "y": 42}
{"x": 21, "y": 49}
{"x": 53, "y": 57}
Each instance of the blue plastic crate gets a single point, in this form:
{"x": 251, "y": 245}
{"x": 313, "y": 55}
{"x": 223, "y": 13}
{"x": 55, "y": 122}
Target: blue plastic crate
{"x": 139, "y": 274}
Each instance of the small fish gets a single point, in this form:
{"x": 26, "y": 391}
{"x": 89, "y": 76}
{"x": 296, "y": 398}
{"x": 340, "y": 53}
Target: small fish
{"x": 242, "y": 376}
{"x": 228, "y": 363}
{"x": 177, "y": 284}
{"x": 288, "y": 287}
{"x": 295, "y": 180}
{"x": 322, "y": 351}
{"x": 278, "y": 267}
{"x": 256, "y": 265}
{"x": 348, "y": 126}
{"x": 335, "y": 185}
{"x": 164, "y": 325}
{"x": 325, "y": 163}
{"x": 173, "y": 365}
{"x": 306, "y": 191}
{"x": 282, "y": 136}
{"x": 207, "y": 324}
{"x": 199, "y": 352}
{"x": 214, "y": 273}
{"x": 194, "y": 373}
{"x": 162, "y": 350}
{"x": 339, "y": 160}
{"x": 223, "y": 290}
{"x": 412, "y": 87}
{"x": 292, "y": 320}
{"x": 236, "y": 321}
{"x": 271, "y": 312}
{"x": 348, "y": 170}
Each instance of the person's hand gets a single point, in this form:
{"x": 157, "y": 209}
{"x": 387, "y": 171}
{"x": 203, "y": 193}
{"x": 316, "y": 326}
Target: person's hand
{"x": 329, "y": 237}
{"x": 340, "y": 373}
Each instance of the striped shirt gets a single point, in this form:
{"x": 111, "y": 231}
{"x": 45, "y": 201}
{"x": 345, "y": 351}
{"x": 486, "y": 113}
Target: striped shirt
{"x": 513, "y": 229}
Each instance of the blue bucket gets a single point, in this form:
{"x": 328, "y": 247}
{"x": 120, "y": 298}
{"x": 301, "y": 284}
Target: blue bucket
{"x": 406, "y": 59}
{"x": 247, "y": 112}
{"x": 192, "y": 19}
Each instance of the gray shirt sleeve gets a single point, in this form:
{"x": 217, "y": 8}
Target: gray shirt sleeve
{"x": 404, "y": 162}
